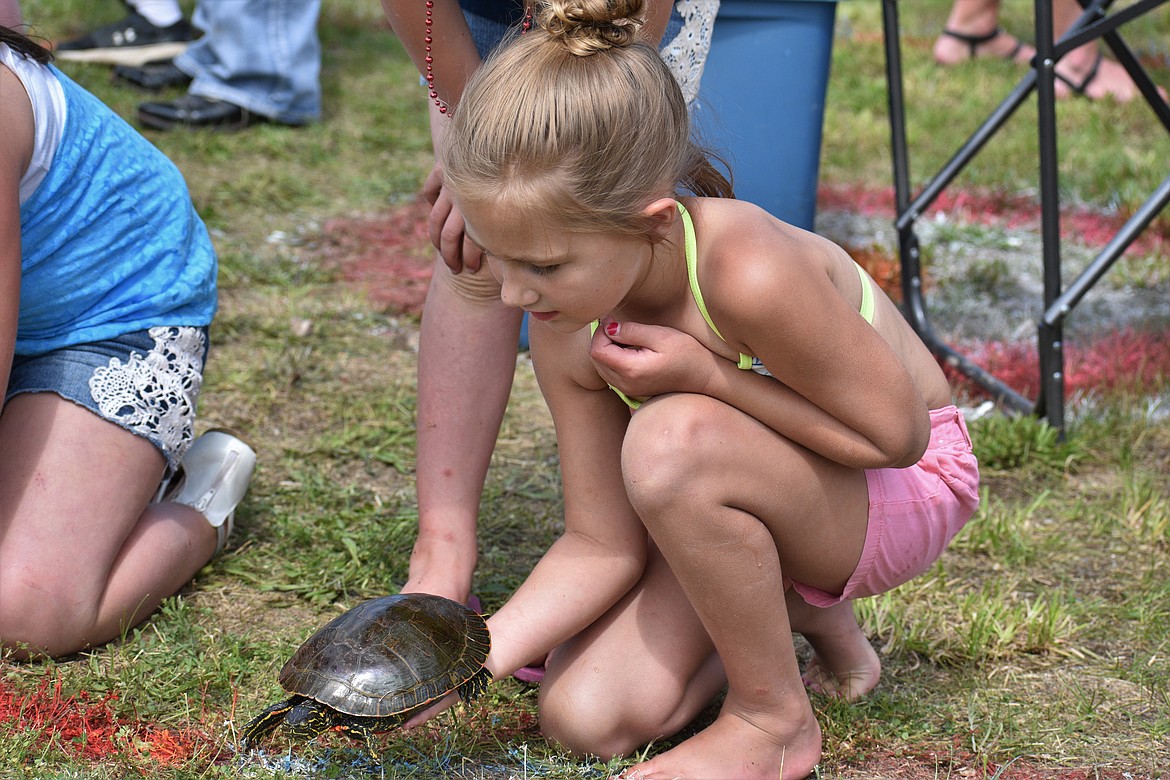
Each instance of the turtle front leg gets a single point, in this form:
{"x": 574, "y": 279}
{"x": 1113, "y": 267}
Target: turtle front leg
{"x": 263, "y": 724}
{"x": 359, "y": 729}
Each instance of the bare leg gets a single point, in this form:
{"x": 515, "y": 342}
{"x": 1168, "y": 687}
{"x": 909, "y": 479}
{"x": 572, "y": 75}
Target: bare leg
{"x": 844, "y": 663}
{"x": 85, "y": 556}
{"x": 10, "y": 13}
{"x": 766, "y": 727}
{"x": 726, "y": 541}
{"x": 467, "y": 358}
{"x": 642, "y": 672}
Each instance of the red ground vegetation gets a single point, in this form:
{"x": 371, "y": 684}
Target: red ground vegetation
{"x": 89, "y": 727}
{"x": 1120, "y": 361}
{"x": 388, "y": 256}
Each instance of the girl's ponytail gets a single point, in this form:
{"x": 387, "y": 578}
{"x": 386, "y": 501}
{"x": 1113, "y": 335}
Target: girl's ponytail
{"x": 585, "y": 27}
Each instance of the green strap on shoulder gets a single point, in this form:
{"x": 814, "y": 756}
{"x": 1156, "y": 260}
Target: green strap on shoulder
{"x": 745, "y": 361}
{"x": 867, "y": 304}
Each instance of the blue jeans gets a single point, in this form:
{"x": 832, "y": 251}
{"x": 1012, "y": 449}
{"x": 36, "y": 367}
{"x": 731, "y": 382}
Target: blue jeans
{"x": 261, "y": 55}
{"x": 489, "y": 30}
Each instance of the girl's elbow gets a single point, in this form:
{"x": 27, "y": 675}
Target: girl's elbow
{"x": 910, "y": 447}
{"x": 909, "y": 456}
{"x": 630, "y": 567}
{"x": 899, "y": 447}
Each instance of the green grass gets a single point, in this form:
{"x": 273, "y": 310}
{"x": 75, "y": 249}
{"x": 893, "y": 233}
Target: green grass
{"x": 1038, "y": 642}
{"x": 1110, "y": 155}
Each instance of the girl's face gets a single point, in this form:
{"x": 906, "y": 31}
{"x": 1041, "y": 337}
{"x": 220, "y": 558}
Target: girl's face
{"x": 567, "y": 279}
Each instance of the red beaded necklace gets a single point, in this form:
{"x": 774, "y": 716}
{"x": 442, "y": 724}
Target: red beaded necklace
{"x": 428, "y": 39}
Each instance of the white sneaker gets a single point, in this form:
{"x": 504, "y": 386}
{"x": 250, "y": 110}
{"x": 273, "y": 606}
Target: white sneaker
{"x": 215, "y": 475}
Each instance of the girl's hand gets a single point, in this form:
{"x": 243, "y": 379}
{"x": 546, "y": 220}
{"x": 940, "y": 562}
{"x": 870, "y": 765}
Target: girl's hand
{"x": 445, "y": 225}
{"x": 445, "y": 703}
{"x": 647, "y": 360}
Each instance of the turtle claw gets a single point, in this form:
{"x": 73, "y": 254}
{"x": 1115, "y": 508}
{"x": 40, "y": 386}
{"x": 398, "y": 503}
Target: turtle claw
{"x": 475, "y": 686}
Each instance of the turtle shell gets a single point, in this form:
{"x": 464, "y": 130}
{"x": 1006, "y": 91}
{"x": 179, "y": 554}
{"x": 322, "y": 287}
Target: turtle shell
{"x": 389, "y": 655}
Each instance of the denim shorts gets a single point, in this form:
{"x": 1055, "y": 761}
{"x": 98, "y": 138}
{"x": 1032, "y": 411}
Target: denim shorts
{"x": 489, "y": 27}
{"x": 146, "y": 382}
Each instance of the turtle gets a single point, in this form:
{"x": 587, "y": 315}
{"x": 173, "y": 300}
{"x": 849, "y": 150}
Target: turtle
{"x": 372, "y": 667}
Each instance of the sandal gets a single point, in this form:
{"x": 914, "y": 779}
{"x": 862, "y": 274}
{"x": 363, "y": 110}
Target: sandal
{"x": 534, "y": 675}
{"x": 1079, "y": 89}
{"x": 212, "y": 479}
{"x": 973, "y": 42}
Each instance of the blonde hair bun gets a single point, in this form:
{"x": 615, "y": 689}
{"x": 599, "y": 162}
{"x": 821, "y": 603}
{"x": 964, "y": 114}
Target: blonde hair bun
{"x": 588, "y": 26}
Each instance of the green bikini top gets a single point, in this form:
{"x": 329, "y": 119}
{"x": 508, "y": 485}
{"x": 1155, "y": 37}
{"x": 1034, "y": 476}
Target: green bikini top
{"x": 745, "y": 362}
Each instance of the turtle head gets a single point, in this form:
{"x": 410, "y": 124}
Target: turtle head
{"x": 308, "y": 718}
{"x": 263, "y": 724}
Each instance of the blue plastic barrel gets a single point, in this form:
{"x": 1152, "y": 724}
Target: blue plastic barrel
{"x": 761, "y": 103}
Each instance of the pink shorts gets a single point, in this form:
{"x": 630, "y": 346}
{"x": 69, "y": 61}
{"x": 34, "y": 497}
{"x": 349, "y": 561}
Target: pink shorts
{"x": 913, "y": 512}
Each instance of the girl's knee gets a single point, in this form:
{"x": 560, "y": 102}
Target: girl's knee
{"x": 33, "y": 623}
{"x": 601, "y": 726}
{"x": 666, "y": 447}
{"x": 27, "y": 635}
{"x": 664, "y": 434}
{"x": 600, "y": 735}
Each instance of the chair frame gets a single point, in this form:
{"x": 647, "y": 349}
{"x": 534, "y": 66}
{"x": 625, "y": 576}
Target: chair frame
{"x": 1059, "y": 300}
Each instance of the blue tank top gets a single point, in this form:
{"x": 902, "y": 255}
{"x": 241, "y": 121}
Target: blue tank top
{"x": 111, "y": 243}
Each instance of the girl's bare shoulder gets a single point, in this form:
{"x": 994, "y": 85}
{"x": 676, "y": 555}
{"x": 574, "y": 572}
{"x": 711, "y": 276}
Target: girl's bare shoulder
{"x": 743, "y": 247}
{"x": 16, "y": 125}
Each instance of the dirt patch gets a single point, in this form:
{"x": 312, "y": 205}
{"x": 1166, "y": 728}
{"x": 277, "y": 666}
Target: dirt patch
{"x": 928, "y": 765}
{"x": 241, "y": 611}
{"x": 1083, "y": 225}
{"x": 389, "y": 255}
{"x": 984, "y": 279}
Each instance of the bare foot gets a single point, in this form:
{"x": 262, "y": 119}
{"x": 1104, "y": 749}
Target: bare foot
{"x": 1087, "y": 73}
{"x": 956, "y": 45}
{"x": 850, "y": 675}
{"x": 844, "y": 663}
{"x": 740, "y": 747}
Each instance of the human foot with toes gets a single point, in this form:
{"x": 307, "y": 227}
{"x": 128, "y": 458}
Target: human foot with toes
{"x": 1085, "y": 72}
{"x": 844, "y": 664}
{"x": 972, "y": 31}
{"x": 743, "y": 746}
{"x": 954, "y": 46}
{"x": 848, "y": 676}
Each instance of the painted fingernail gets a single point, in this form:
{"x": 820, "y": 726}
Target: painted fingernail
{"x": 612, "y": 328}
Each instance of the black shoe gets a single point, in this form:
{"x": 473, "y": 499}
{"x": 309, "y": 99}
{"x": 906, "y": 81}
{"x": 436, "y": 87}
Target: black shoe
{"x": 152, "y": 77}
{"x": 132, "y": 41}
{"x": 196, "y": 112}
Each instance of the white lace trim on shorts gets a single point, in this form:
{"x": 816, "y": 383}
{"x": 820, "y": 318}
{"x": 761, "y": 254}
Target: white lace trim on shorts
{"x": 154, "y": 395}
{"x": 687, "y": 53}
